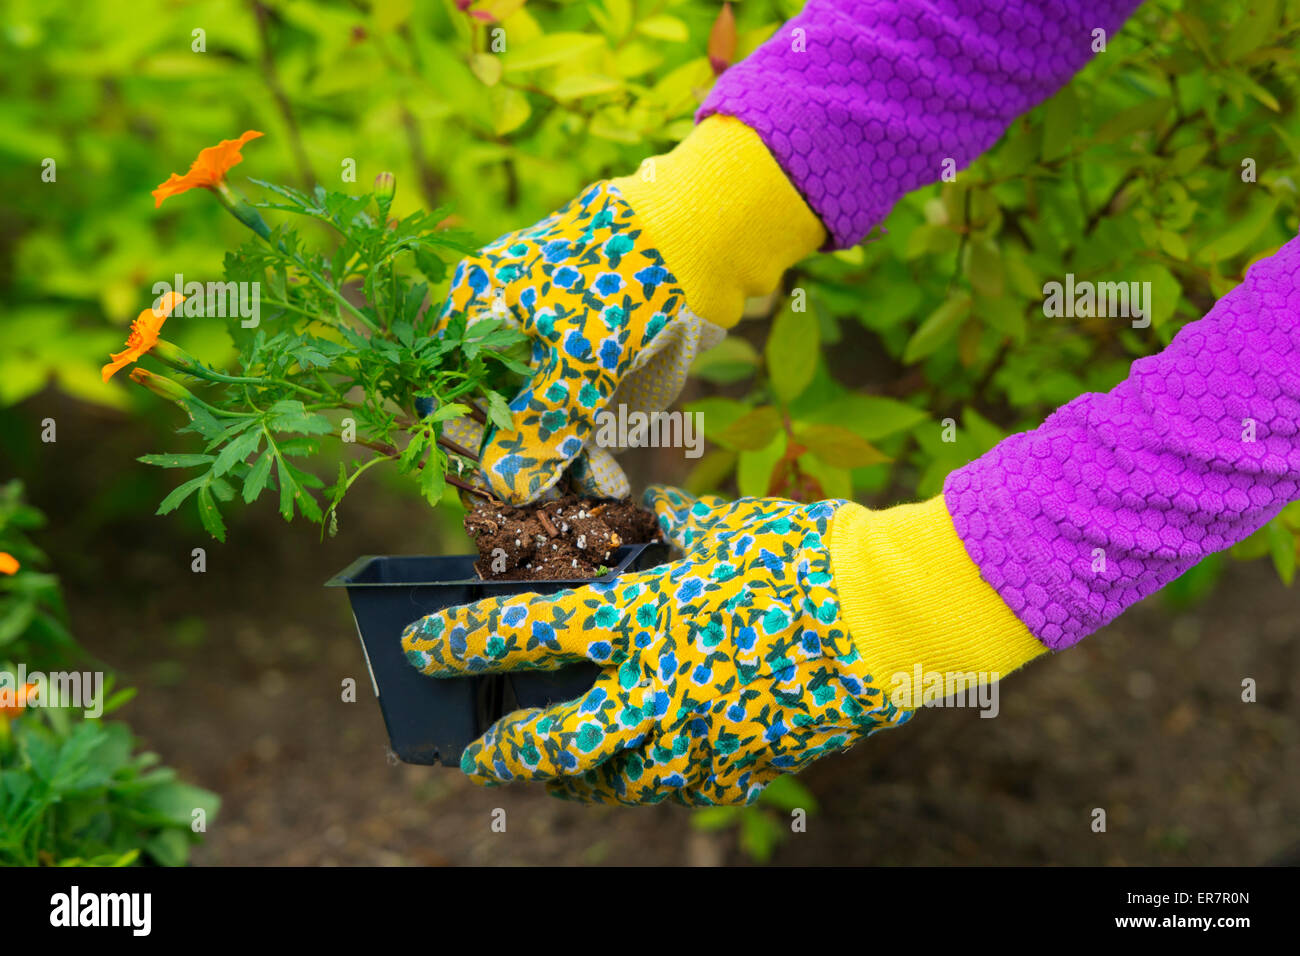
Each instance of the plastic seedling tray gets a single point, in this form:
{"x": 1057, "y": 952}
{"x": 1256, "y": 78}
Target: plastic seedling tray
{"x": 432, "y": 720}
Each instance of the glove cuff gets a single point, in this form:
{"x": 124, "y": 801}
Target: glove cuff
{"x": 911, "y": 596}
{"x": 724, "y": 216}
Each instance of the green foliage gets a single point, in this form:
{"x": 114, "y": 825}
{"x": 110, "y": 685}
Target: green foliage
{"x": 763, "y": 825}
{"x": 1134, "y": 171}
{"x": 74, "y": 791}
{"x": 32, "y": 616}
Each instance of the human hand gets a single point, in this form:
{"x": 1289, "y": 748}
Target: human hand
{"x": 720, "y": 670}
{"x": 609, "y": 326}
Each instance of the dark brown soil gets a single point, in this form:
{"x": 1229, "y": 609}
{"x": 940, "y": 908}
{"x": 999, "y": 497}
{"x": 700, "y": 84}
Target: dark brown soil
{"x": 569, "y": 538}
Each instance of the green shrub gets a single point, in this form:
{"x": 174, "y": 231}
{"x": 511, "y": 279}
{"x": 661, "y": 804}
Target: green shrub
{"x": 74, "y": 791}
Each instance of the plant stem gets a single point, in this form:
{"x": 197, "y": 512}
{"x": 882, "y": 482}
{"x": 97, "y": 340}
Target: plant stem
{"x": 457, "y": 449}
{"x": 215, "y": 376}
{"x": 467, "y": 487}
{"x": 272, "y": 77}
{"x": 390, "y": 453}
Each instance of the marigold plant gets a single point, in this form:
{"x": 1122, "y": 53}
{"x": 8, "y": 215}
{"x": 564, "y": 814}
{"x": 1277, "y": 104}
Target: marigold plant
{"x": 332, "y": 343}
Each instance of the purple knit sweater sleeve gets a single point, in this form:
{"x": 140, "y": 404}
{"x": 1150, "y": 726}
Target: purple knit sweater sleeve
{"x": 1116, "y": 495}
{"x": 862, "y": 101}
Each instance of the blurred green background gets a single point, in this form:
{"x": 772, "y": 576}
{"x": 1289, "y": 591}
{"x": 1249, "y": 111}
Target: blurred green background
{"x": 1134, "y": 171}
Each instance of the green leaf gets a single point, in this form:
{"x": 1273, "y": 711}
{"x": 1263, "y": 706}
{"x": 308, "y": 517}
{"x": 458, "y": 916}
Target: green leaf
{"x": 209, "y": 514}
{"x": 1282, "y": 548}
{"x": 551, "y": 49}
{"x": 1060, "y": 124}
{"x": 592, "y": 84}
{"x": 444, "y": 412}
{"x": 18, "y": 614}
{"x": 1144, "y": 116}
{"x": 256, "y": 478}
{"x": 938, "y": 327}
{"x": 413, "y": 450}
{"x": 664, "y": 28}
{"x": 487, "y": 67}
{"x": 1241, "y": 231}
{"x": 716, "y": 413}
{"x": 235, "y": 452}
{"x": 1166, "y": 291}
{"x": 1241, "y": 81}
{"x": 1172, "y": 243}
{"x": 984, "y": 433}
{"x": 752, "y": 431}
{"x": 754, "y": 469}
{"x": 759, "y": 834}
{"x": 715, "y": 818}
{"x": 498, "y": 412}
{"x": 785, "y": 792}
{"x": 792, "y": 350}
{"x": 839, "y": 447}
{"x": 731, "y": 360}
{"x": 290, "y": 415}
{"x": 869, "y": 416}
{"x": 984, "y": 268}
{"x": 510, "y": 110}
{"x": 178, "y": 495}
{"x": 175, "y": 461}
{"x": 286, "y": 489}
{"x": 389, "y": 14}
{"x": 710, "y": 472}
{"x": 1255, "y": 23}
{"x": 433, "y": 478}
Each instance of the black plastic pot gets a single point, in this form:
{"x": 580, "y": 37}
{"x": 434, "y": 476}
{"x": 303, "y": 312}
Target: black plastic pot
{"x": 432, "y": 720}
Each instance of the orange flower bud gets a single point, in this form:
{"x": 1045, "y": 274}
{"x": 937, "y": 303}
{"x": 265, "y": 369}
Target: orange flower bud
{"x": 159, "y": 385}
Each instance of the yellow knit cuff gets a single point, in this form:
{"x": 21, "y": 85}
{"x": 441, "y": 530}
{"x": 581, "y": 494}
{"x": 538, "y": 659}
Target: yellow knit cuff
{"x": 915, "y": 603}
{"x": 724, "y": 216}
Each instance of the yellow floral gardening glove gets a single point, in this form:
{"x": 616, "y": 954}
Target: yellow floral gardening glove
{"x": 608, "y": 324}
{"x": 721, "y": 670}
{"x": 786, "y": 632}
{"x": 618, "y": 292}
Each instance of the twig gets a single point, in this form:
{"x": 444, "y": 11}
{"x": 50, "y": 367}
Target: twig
{"x": 262, "y": 14}
{"x": 1100, "y": 212}
{"x": 457, "y": 449}
{"x": 390, "y": 451}
{"x": 467, "y": 487}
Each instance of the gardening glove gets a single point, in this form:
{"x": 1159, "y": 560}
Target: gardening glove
{"x": 618, "y": 292}
{"x": 771, "y": 643}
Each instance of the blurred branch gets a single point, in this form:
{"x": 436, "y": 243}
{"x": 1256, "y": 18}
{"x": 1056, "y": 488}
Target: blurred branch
{"x": 272, "y": 78}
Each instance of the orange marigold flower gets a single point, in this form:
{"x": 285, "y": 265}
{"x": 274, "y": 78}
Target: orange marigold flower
{"x": 8, "y": 563}
{"x": 208, "y": 170}
{"x": 17, "y": 700}
{"x": 143, "y": 335}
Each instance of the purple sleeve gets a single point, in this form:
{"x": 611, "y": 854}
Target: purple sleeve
{"x": 861, "y": 101}
{"x": 1116, "y": 495}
